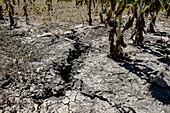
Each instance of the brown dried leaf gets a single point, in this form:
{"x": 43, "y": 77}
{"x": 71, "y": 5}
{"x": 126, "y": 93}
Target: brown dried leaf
{"x": 112, "y": 32}
{"x": 109, "y": 16}
{"x": 111, "y": 39}
{"x": 129, "y": 23}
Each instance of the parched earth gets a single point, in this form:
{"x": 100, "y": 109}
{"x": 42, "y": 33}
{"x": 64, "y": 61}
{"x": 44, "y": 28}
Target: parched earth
{"x": 72, "y": 73}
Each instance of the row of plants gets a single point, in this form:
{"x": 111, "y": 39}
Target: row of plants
{"x": 138, "y": 10}
{"x": 10, "y": 6}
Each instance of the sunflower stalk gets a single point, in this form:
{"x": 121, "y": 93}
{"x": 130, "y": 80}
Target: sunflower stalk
{"x": 1, "y": 15}
{"x": 151, "y": 25}
{"x": 25, "y": 11}
{"x": 140, "y": 24}
{"x": 11, "y": 13}
{"x": 116, "y": 51}
{"x": 119, "y": 26}
{"x": 90, "y": 18}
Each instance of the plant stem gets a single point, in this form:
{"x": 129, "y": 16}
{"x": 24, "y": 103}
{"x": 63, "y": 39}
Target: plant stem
{"x": 140, "y": 11}
{"x": 1, "y": 15}
{"x": 25, "y": 11}
{"x": 90, "y": 19}
{"x": 119, "y": 26}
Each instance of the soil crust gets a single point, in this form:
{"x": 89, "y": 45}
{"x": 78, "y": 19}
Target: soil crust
{"x": 65, "y": 69}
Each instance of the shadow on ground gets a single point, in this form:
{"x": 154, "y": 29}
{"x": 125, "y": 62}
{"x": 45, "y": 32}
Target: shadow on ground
{"x": 160, "y": 50}
{"x": 157, "y": 92}
{"x": 158, "y": 33}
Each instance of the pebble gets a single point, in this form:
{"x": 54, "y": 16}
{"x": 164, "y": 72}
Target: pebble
{"x": 39, "y": 69}
{"x": 66, "y": 100}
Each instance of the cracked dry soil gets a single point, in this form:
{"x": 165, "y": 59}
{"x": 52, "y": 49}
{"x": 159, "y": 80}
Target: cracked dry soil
{"x": 74, "y": 74}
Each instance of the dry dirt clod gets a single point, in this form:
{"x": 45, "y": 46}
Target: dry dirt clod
{"x": 158, "y": 80}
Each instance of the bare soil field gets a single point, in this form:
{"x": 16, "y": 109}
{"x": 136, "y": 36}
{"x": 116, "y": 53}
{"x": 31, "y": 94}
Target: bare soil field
{"x": 56, "y": 65}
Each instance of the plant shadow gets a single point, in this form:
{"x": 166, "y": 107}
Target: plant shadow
{"x": 158, "y": 33}
{"x": 159, "y": 93}
{"x": 161, "y": 51}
